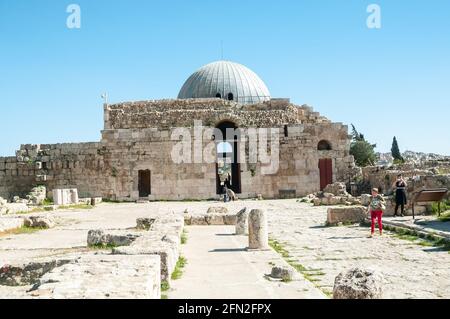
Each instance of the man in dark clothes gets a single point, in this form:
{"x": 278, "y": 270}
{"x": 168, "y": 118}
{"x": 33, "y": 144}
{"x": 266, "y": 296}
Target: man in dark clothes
{"x": 400, "y": 194}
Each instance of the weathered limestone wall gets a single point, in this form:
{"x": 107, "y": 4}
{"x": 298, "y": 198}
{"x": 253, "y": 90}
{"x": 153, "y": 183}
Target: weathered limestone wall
{"x": 75, "y": 165}
{"x": 137, "y": 136}
{"x": 167, "y": 114}
{"x": 417, "y": 179}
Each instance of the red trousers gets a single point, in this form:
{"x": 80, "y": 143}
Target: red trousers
{"x": 377, "y": 214}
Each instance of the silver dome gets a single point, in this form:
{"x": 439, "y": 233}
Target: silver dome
{"x": 227, "y": 80}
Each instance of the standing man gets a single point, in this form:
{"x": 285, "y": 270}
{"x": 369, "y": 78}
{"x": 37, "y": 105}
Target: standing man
{"x": 400, "y": 194}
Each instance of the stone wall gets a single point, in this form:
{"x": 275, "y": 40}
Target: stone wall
{"x": 137, "y": 136}
{"x": 166, "y": 114}
{"x": 417, "y": 179}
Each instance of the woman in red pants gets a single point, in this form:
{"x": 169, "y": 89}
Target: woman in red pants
{"x": 376, "y": 207}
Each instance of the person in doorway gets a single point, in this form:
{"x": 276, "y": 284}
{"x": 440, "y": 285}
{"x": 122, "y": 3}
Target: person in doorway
{"x": 376, "y": 208}
{"x": 226, "y": 199}
{"x": 232, "y": 195}
{"x": 400, "y": 195}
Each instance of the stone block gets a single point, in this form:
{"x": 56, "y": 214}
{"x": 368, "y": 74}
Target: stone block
{"x": 145, "y": 223}
{"x": 44, "y": 222}
{"x": 215, "y": 219}
{"x": 7, "y": 224}
{"x": 217, "y": 210}
{"x": 113, "y": 238}
{"x": 103, "y": 277}
{"x": 358, "y": 283}
{"x": 199, "y": 220}
{"x": 353, "y": 214}
{"x": 24, "y": 274}
{"x": 283, "y": 273}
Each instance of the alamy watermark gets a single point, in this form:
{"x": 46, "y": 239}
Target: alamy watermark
{"x": 208, "y": 145}
{"x": 374, "y": 18}
{"x": 74, "y": 19}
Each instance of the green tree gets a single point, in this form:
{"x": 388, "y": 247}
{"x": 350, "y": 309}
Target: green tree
{"x": 362, "y": 150}
{"x": 395, "y": 151}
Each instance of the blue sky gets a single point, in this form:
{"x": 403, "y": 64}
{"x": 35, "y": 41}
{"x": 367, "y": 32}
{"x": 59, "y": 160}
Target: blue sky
{"x": 391, "y": 81}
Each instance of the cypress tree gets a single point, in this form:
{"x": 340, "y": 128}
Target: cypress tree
{"x": 395, "y": 151}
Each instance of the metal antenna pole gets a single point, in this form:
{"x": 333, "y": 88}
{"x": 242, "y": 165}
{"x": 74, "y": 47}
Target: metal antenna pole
{"x": 105, "y": 98}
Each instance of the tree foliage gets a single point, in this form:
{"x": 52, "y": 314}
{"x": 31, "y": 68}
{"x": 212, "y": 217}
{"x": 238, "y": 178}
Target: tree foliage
{"x": 395, "y": 151}
{"x": 361, "y": 149}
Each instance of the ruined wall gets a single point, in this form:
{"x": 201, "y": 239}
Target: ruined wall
{"x": 167, "y": 114}
{"x": 137, "y": 136}
{"x": 71, "y": 165}
{"x": 417, "y": 179}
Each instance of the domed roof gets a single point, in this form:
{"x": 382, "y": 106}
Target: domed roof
{"x": 227, "y": 80}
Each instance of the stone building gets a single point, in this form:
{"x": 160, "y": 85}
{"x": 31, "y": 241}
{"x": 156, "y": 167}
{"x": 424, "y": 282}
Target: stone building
{"x": 134, "y": 158}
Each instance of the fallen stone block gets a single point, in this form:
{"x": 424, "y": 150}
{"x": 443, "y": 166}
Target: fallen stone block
{"x": 283, "y": 273}
{"x": 217, "y": 210}
{"x": 43, "y": 222}
{"x": 337, "y": 189}
{"x": 358, "y": 283}
{"x": 103, "y": 277}
{"x": 14, "y": 208}
{"x": 28, "y": 273}
{"x": 7, "y": 224}
{"x": 168, "y": 254}
{"x": 37, "y": 195}
{"x": 111, "y": 238}
{"x": 230, "y": 219}
{"x": 214, "y": 219}
{"x": 353, "y": 214}
{"x": 145, "y": 223}
{"x": 365, "y": 199}
{"x": 199, "y": 220}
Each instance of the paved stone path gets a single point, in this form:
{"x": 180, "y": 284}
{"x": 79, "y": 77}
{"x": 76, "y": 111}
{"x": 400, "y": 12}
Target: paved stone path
{"x": 219, "y": 267}
{"x": 427, "y": 224}
{"x": 410, "y": 270}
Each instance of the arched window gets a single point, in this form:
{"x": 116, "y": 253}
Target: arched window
{"x": 218, "y": 95}
{"x": 324, "y": 146}
{"x": 230, "y": 97}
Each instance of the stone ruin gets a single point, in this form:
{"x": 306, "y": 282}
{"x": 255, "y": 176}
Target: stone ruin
{"x": 65, "y": 196}
{"x": 333, "y": 194}
{"x": 358, "y": 283}
{"x": 126, "y": 263}
{"x": 133, "y": 159}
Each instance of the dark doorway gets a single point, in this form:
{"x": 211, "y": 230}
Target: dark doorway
{"x": 326, "y": 172}
{"x": 228, "y": 158}
{"x": 230, "y": 97}
{"x": 144, "y": 183}
{"x": 218, "y": 95}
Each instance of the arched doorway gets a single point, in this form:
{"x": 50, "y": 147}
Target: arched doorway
{"x": 228, "y": 169}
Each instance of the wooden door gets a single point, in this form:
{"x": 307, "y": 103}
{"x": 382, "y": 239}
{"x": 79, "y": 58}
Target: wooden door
{"x": 144, "y": 183}
{"x": 326, "y": 172}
